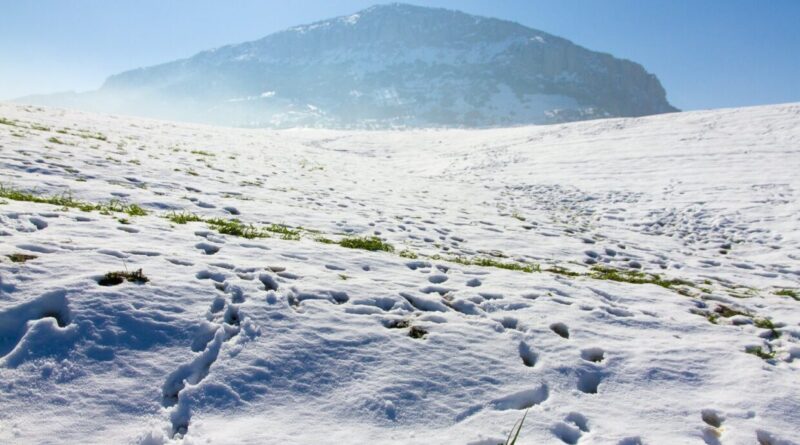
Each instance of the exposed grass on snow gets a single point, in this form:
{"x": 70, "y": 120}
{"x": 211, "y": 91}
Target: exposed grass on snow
{"x": 408, "y": 254}
{"x": 66, "y": 200}
{"x": 417, "y": 332}
{"x": 284, "y": 231}
{"x": 788, "y": 293}
{"x": 764, "y": 323}
{"x": 634, "y": 277}
{"x": 372, "y": 243}
{"x": 514, "y": 433}
{"x": 728, "y": 312}
{"x": 491, "y": 262}
{"x": 236, "y": 228}
{"x": 562, "y": 271}
{"x": 21, "y": 257}
{"x": 759, "y": 352}
{"x": 114, "y": 278}
{"x": 183, "y": 217}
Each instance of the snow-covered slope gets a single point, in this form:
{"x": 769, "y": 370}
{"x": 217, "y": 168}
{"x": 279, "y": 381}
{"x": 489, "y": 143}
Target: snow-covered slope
{"x": 282, "y": 340}
{"x": 386, "y": 66}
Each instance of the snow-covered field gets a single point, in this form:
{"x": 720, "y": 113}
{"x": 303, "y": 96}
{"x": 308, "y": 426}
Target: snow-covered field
{"x": 296, "y": 341}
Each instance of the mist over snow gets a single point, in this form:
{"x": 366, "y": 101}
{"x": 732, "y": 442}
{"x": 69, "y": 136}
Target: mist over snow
{"x": 387, "y": 66}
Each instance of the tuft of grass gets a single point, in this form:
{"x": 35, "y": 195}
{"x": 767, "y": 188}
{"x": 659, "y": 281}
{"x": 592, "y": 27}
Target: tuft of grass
{"x": 39, "y": 127}
{"x": 117, "y": 206}
{"x": 759, "y": 352}
{"x": 66, "y": 200}
{"x": 417, "y": 332}
{"x": 372, "y": 243}
{"x": 183, "y": 217}
{"x": 491, "y": 262}
{"x": 514, "y": 433}
{"x": 5, "y": 121}
{"x": 788, "y": 293}
{"x": 283, "y": 230}
{"x": 114, "y": 278}
{"x": 21, "y": 257}
{"x": 408, "y": 254}
{"x": 634, "y": 277}
{"x": 55, "y": 140}
{"x": 562, "y": 271}
{"x": 202, "y": 153}
{"x": 88, "y": 135}
{"x": 728, "y": 312}
{"x": 323, "y": 240}
{"x": 236, "y": 228}
{"x": 764, "y": 323}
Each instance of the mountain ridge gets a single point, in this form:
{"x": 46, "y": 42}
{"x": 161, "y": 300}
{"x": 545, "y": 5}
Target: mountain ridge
{"x": 394, "y": 65}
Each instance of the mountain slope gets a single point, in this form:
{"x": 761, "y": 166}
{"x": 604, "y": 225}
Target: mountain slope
{"x": 389, "y": 65}
{"x": 664, "y": 309}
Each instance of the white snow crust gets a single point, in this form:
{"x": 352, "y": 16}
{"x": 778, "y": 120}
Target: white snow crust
{"x": 280, "y": 341}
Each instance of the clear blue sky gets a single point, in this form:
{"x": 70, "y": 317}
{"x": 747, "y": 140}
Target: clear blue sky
{"x": 707, "y": 53}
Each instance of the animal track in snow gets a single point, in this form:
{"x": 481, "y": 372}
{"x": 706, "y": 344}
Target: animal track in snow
{"x": 522, "y": 399}
{"x": 567, "y": 433}
{"x": 712, "y": 432}
{"x": 207, "y": 248}
{"x": 589, "y": 380}
{"x": 595, "y": 355}
{"x": 528, "y": 356}
{"x": 560, "y": 329}
{"x": 578, "y": 420}
{"x": 15, "y": 327}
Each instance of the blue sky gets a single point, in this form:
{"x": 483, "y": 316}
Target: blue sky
{"x": 707, "y": 53}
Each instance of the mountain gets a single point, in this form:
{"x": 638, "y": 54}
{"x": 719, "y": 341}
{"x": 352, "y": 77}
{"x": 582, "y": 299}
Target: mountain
{"x": 393, "y": 65}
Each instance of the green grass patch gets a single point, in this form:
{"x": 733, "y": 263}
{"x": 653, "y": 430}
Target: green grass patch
{"x": 759, "y": 352}
{"x": 491, "y": 262}
{"x": 21, "y": 257}
{"x": 236, "y": 228}
{"x": 5, "y": 121}
{"x": 323, "y": 240}
{"x": 634, "y": 277}
{"x": 764, "y": 323}
{"x": 202, "y": 153}
{"x": 114, "y": 278}
{"x": 284, "y": 231}
{"x": 183, "y": 217}
{"x": 788, "y": 293}
{"x": 88, "y": 135}
{"x": 372, "y": 243}
{"x": 728, "y": 312}
{"x": 562, "y": 271}
{"x": 55, "y": 140}
{"x": 408, "y": 254}
{"x": 66, "y": 200}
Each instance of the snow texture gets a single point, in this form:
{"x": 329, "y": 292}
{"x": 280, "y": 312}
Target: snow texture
{"x": 284, "y": 341}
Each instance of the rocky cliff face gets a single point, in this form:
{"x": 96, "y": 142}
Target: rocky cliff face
{"x": 386, "y": 66}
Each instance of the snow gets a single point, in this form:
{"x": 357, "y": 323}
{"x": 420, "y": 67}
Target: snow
{"x": 279, "y": 341}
